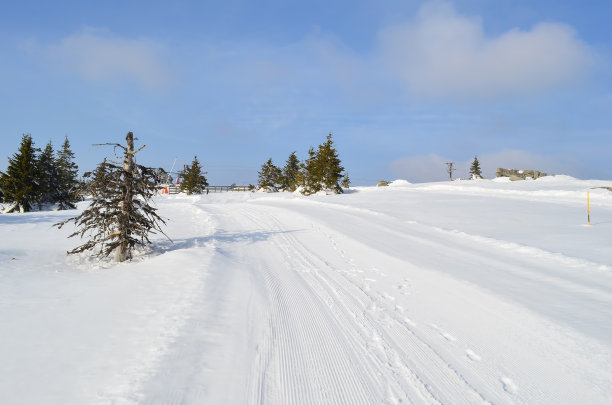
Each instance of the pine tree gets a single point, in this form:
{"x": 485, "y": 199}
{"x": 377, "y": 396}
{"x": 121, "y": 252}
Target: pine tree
{"x": 68, "y": 188}
{"x": 19, "y": 182}
{"x": 475, "y": 172}
{"x": 329, "y": 165}
{"x": 291, "y": 173}
{"x": 194, "y": 181}
{"x": 119, "y": 217}
{"x": 310, "y": 175}
{"x": 346, "y": 181}
{"x": 47, "y": 176}
{"x": 270, "y": 176}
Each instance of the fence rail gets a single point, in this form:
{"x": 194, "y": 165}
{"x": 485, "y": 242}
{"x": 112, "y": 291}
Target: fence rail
{"x": 225, "y": 189}
{"x": 175, "y": 189}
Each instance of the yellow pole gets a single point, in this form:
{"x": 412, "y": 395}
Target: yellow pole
{"x": 588, "y": 209}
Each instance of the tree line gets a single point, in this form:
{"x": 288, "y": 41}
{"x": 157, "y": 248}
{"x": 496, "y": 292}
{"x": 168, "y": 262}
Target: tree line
{"x": 120, "y": 217}
{"x": 36, "y": 177}
{"x": 321, "y": 171}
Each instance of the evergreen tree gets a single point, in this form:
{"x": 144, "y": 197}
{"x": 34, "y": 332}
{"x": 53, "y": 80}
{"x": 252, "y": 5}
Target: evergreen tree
{"x": 47, "y": 176}
{"x": 475, "y": 172}
{"x": 346, "y": 182}
{"x": 291, "y": 173}
{"x": 68, "y": 187}
{"x": 310, "y": 175}
{"x": 19, "y": 182}
{"x": 329, "y": 166}
{"x": 270, "y": 176}
{"x": 119, "y": 216}
{"x": 194, "y": 181}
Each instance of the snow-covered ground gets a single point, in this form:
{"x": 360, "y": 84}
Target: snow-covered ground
{"x": 463, "y": 292}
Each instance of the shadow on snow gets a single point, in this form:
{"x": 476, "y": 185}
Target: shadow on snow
{"x": 220, "y": 236}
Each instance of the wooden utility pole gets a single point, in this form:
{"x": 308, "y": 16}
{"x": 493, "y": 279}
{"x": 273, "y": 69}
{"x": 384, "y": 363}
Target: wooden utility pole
{"x": 450, "y": 169}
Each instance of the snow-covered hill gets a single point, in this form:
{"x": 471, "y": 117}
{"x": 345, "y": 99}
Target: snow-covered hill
{"x": 463, "y": 292}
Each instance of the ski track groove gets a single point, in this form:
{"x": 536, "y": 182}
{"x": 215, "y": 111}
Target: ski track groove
{"x": 393, "y": 355}
{"x": 328, "y": 336}
{"x": 290, "y": 297}
{"x": 496, "y": 393}
{"x": 394, "y": 350}
{"x": 492, "y": 390}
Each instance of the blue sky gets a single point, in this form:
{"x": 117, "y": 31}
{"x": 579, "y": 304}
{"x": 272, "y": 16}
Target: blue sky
{"x": 404, "y": 86}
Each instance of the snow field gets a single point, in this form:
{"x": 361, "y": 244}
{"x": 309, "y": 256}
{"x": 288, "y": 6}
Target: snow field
{"x": 442, "y": 293}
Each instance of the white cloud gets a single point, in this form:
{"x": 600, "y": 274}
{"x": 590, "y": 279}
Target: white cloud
{"x": 98, "y": 56}
{"x": 443, "y": 53}
{"x": 420, "y": 168}
{"x": 432, "y": 168}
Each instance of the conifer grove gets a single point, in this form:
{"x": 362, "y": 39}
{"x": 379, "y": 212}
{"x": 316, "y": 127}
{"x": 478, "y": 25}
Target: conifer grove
{"x": 321, "y": 171}
{"x": 35, "y": 178}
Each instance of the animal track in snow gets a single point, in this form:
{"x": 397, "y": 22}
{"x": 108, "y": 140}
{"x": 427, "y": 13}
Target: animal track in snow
{"x": 472, "y": 355}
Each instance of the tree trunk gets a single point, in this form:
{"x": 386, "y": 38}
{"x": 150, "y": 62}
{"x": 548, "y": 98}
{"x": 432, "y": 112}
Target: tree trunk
{"x": 122, "y": 252}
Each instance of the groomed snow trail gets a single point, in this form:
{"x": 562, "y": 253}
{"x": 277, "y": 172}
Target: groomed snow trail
{"x": 453, "y": 293}
{"x": 311, "y": 304}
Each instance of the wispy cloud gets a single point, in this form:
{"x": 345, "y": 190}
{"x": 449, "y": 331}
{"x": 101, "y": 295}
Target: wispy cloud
{"x": 103, "y": 57}
{"x": 443, "y": 53}
{"x": 432, "y": 167}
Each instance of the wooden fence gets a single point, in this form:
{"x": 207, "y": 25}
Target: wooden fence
{"x": 175, "y": 189}
{"x": 225, "y": 189}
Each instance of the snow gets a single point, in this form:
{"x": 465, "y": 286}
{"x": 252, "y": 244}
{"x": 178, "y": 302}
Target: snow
{"x": 483, "y": 291}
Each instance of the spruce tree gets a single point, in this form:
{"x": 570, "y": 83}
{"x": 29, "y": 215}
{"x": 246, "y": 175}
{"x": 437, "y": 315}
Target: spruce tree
{"x": 119, "y": 217}
{"x": 346, "y": 181}
{"x": 310, "y": 175}
{"x": 270, "y": 176}
{"x": 475, "y": 172}
{"x": 291, "y": 173}
{"x": 19, "y": 183}
{"x": 47, "y": 176}
{"x": 329, "y": 165}
{"x": 194, "y": 181}
{"x": 68, "y": 187}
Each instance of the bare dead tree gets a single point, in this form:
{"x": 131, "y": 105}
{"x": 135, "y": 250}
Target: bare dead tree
{"x": 119, "y": 216}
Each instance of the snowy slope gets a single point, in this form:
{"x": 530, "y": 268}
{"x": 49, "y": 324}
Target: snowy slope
{"x": 463, "y": 292}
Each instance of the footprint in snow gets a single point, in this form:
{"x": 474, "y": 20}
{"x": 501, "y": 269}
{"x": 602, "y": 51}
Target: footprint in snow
{"x": 472, "y": 355}
{"x": 443, "y": 333}
{"x": 509, "y": 385}
{"x": 385, "y": 296}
